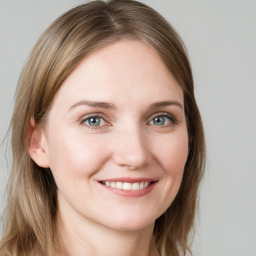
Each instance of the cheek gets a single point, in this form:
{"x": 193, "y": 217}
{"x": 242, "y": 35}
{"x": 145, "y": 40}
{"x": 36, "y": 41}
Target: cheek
{"x": 73, "y": 156}
{"x": 171, "y": 156}
{"x": 173, "y": 153}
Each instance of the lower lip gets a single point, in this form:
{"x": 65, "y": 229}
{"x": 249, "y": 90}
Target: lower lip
{"x": 131, "y": 193}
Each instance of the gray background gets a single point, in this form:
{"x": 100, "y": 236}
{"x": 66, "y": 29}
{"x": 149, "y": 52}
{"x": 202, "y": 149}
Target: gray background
{"x": 221, "y": 38}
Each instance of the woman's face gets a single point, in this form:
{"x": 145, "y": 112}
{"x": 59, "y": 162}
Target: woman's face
{"x": 116, "y": 139}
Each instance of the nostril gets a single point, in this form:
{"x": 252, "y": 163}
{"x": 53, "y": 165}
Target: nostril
{"x": 130, "y": 149}
{"x": 131, "y": 160}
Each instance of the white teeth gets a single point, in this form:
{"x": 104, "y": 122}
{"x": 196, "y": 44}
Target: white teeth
{"x": 135, "y": 186}
{"x": 119, "y": 185}
{"x": 127, "y": 185}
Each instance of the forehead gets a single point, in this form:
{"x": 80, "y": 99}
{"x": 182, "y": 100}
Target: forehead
{"x": 118, "y": 68}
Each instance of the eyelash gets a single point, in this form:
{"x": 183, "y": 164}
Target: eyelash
{"x": 96, "y": 115}
{"x": 170, "y": 117}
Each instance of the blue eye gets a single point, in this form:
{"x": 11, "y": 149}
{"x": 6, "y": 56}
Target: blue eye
{"x": 162, "y": 120}
{"x": 94, "y": 121}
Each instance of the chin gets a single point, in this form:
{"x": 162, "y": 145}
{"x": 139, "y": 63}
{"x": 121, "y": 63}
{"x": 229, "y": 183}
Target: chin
{"x": 132, "y": 223}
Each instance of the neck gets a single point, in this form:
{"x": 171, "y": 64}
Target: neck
{"x": 83, "y": 237}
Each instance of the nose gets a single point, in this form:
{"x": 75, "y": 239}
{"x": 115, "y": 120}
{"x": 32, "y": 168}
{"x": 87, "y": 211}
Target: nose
{"x": 131, "y": 149}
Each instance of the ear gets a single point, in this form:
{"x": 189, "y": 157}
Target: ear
{"x": 38, "y": 145}
{"x": 189, "y": 144}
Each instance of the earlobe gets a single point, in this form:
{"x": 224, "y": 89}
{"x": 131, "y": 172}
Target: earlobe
{"x": 37, "y": 145}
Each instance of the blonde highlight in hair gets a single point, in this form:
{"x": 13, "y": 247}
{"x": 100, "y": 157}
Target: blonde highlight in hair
{"x": 29, "y": 227}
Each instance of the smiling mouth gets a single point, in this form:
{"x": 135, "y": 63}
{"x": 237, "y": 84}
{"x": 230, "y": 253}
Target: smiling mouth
{"x": 128, "y": 185}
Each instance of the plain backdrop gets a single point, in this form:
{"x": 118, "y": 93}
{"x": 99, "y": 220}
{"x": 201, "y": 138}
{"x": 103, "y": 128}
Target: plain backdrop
{"x": 220, "y": 36}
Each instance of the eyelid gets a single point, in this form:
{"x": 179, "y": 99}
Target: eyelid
{"x": 173, "y": 119}
{"x": 100, "y": 115}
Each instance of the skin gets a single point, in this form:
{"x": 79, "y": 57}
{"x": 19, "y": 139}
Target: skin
{"x": 137, "y": 132}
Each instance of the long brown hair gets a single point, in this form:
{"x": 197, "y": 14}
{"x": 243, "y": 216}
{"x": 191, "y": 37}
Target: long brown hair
{"x": 29, "y": 220}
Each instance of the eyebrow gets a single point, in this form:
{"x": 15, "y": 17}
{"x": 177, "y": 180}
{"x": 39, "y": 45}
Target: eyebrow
{"x": 166, "y": 103}
{"x": 106, "y": 105}
{"x": 95, "y": 104}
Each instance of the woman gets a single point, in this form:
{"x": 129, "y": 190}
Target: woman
{"x": 107, "y": 140}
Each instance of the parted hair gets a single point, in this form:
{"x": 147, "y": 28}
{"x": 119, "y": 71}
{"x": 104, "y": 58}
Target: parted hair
{"x": 28, "y": 222}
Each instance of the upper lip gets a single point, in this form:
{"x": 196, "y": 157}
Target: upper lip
{"x": 130, "y": 179}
